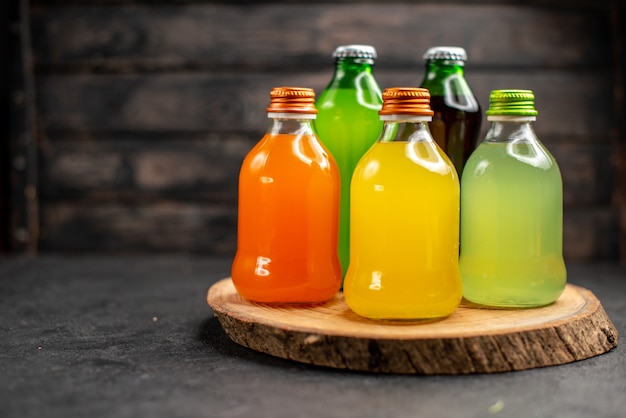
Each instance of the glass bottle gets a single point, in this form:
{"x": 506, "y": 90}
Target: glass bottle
{"x": 288, "y": 209}
{"x": 457, "y": 119}
{"x": 347, "y": 123}
{"x": 512, "y": 211}
{"x": 404, "y": 220}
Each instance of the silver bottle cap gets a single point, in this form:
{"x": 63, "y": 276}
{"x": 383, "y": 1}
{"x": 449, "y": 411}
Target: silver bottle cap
{"x": 355, "y": 51}
{"x": 453, "y": 53}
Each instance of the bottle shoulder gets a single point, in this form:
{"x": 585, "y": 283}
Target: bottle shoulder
{"x": 277, "y": 151}
{"x": 493, "y": 157}
{"x": 350, "y": 98}
{"x": 451, "y": 90}
{"x": 402, "y": 156}
{"x": 353, "y": 80}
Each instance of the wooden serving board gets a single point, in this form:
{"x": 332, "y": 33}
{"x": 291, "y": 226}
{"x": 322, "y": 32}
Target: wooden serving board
{"x": 471, "y": 340}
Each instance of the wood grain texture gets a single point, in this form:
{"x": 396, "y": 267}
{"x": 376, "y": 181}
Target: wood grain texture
{"x": 570, "y": 104}
{"x": 582, "y": 4}
{"x": 471, "y": 340}
{"x": 5, "y": 159}
{"x": 618, "y": 14}
{"x": 205, "y": 167}
{"x": 591, "y": 233}
{"x": 22, "y": 228}
{"x": 218, "y": 36}
{"x": 163, "y": 226}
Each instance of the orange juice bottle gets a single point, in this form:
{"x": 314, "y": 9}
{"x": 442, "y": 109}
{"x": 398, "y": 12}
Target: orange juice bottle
{"x": 404, "y": 219}
{"x": 288, "y": 209}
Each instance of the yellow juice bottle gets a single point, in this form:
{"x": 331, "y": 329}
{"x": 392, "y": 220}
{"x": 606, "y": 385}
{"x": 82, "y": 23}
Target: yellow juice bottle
{"x": 404, "y": 219}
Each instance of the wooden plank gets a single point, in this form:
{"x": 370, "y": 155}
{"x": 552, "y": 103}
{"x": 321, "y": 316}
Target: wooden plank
{"x": 23, "y": 222}
{"x": 590, "y": 234}
{"x": 219, "y": 36}
{"x": 4, "y": 127}
{"x": 587, "y": 172}
{"x": 82, "y": 226}
{"x": 618, "y": 13}
{"x": 207, "y": 169}
{"x": 570, "y": 103}
{"x": 204, "y": 169}
{"x": 159, "y": 227}
{"x": 474, "y": 340}
{"x": 576, "y": 4}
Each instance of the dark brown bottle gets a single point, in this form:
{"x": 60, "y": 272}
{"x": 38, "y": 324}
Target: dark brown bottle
{"x": 456, "y": 122}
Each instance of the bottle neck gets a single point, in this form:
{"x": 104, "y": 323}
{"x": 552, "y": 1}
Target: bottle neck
{"x": 291, "y": 123}
{"x": 349, "y": 69}
{"x": 402, "y": 128}
{"x": 445, "y": 67}
{"x": 510, "y": 129}
{"x": 446, "y": 78}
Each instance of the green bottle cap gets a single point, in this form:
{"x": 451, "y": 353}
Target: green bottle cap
{"x": 511, "y": 103}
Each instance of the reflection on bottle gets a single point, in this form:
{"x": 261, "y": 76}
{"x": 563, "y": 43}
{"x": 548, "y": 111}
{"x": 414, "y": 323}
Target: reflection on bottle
{"x": 455, "y": 94}
{"x": 376, "y": 282}
{"x": 261, "y": 264}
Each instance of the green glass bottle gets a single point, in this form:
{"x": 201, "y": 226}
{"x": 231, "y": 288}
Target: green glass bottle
{"x": 512, "y": 211}
{"x": 456, "y": 123}
{"x": 348, "y": 124}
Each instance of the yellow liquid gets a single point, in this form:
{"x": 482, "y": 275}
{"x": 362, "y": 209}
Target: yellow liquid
{"x": 404, "y": 233}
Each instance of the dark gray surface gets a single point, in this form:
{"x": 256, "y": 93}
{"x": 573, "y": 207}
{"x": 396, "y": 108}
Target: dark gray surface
{"x": 134, "y": 337}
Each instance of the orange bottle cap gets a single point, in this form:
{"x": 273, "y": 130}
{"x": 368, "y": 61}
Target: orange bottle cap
{"x": 292, "y": 100}
{"x": 406, "y": 101}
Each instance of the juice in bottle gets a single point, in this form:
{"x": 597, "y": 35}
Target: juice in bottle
{"x": 404, "y": 219}
{"x": 347, "y": 123}
{"x": 455, "y": 131}
{"x": 288, "y": 210}
{"x": 457, "y": 116}
{"x": 512, "y": 213}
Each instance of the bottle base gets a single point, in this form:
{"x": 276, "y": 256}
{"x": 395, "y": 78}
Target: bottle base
{"x": 509, "y": 301}
{"x": 394, "y": 313}
{"x": 289, "y": 296}
{"x": 406, "y": 321}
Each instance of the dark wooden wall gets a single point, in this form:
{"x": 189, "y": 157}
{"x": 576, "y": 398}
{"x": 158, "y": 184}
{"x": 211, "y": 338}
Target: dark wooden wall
{"x": 146, "y": 109}
{"x": 19, "y": 208}
{"x": 4, "y": 127}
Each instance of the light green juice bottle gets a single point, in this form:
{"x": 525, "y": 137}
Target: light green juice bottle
{"x": 512, "y": 211}
{"x": 348, "y": 124}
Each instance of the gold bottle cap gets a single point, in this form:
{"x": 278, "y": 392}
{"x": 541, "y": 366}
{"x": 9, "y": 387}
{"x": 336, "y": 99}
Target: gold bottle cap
{"x": 292, "y": 100}
{"x": 406, "y": 101}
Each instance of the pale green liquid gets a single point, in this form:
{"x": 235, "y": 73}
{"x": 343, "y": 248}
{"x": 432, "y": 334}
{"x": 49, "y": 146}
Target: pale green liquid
{"x": 348, "y": 125}
{"x": 511, "y": 226}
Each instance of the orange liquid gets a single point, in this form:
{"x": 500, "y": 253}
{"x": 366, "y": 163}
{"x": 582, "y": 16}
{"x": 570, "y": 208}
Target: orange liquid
{"x": 288, "y": 222}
